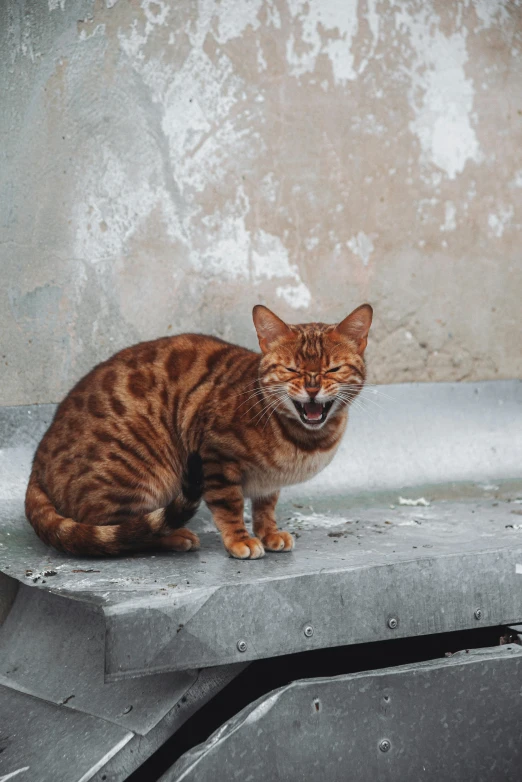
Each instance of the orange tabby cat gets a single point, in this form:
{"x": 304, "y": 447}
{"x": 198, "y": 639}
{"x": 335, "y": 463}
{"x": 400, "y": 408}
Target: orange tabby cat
{"x": 145, "y": 435}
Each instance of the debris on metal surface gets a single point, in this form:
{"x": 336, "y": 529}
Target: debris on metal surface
{"x": 414, "y": 503}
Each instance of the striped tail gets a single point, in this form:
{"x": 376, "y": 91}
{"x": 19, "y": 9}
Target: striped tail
{"x": 66, "y": 534}
{"x": 159, "y": 529}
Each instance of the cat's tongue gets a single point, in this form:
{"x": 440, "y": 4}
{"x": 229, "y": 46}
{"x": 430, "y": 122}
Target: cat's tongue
{"x": 313, "y": 411}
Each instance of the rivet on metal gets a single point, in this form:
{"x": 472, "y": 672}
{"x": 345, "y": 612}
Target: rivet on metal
{"x": 242, "y": 646}
{"x": 384, "y": 745}
{"x": 309, "y": 631}
{"x": 393, "y": 623}
{"x": 478, "y": 614}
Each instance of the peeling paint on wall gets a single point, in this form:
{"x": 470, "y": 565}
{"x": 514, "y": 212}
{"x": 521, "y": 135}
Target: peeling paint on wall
{"x": 170, "y": 164}
{"x": 498, "y": 222}
{"x": 362, "y": 246}
{"x": 441, "y": 96}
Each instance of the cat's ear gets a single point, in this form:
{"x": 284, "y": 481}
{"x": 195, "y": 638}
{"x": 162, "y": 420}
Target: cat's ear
{"x": 268, "y": 326}
{"x": 356, "y": 326}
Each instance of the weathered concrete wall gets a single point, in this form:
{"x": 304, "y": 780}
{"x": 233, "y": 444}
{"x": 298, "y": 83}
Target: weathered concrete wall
{"x": 166, "y": 165}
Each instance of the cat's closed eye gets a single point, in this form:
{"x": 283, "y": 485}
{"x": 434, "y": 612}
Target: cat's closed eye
{"x": 335, "y": 369}
{"x": 289, "y": 369}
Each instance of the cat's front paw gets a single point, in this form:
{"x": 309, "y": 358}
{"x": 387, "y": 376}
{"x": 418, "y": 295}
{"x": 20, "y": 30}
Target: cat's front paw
{"x": 251, "y": 548}
{"x": 278, "y": 541}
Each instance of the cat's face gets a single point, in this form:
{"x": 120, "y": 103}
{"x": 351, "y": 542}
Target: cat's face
{"x": 312, "y": 370}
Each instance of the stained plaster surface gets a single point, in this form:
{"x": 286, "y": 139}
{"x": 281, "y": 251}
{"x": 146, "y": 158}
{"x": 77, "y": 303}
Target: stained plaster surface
{"x": 167, "y": 165}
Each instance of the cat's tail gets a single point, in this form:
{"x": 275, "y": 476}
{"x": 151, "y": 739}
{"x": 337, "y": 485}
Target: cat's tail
{"x": 66, "y": 534}
{"x": 160, "y": 529}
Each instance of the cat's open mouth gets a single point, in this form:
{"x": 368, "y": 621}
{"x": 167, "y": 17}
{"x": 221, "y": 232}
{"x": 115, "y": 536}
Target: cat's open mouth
{"x": 313, "y": 412}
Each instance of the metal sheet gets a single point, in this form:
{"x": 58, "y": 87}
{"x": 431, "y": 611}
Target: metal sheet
{"x": 48, "y": 743}
{"x": 431, "y": 568}
{"x": 456, "y": 719}
{"x": 41, "y": 742}
{"x": 54, "y": 648}
{"x": 209, "y": 682}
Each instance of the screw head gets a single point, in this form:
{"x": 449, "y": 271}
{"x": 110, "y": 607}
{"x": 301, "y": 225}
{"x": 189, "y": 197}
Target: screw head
{"x": 242, "y": 645}
{"x": 309, "y": 631}
{"x": 384, "y": 745}
{"x": 478, "y": 614}
{"x": 393, "y": 622}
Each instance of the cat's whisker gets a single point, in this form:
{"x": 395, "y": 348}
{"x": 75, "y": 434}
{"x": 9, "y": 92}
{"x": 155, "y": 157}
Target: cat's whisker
{"x": 352, "y": 401}
{"x": 364, "y": 400}
{"x": 272, "y": 413}
{"x": 249, "y": 387}
{"x": 255, "y": 403}
{"x": 261, "y": 393}
{"x": 258, "y": 390}
{"x": 351, "y": 388}
{"x": 271, "y": 403}
{"x": 374, "y": 389}
{"x": 259, "y": 416}
{"x": 276, "y": 398}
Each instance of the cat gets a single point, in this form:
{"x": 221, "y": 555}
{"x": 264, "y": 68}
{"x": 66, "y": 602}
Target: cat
{"x": 146, "y": 435}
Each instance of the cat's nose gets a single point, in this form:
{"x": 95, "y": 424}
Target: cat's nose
{"x": 312, "y": 391}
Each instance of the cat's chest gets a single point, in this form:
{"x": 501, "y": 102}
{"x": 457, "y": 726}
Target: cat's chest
{"x": 290, "y": 469}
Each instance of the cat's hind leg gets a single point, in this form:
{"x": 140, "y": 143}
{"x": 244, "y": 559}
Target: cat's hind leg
{"x": 153, "y": 532}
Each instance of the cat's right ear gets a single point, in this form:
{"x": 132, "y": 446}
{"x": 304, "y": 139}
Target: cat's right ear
{"x": 268, "y": 326}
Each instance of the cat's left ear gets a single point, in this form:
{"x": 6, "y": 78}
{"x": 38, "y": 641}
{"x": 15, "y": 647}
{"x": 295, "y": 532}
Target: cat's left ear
{"x": 268, "y": 326}
{"x": 356, "y": 326}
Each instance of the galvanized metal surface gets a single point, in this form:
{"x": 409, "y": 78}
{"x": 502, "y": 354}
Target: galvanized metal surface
{"x": 65, "y": 639}
{"x": 358, "y": 563}
{"x": 456, "y": 719}
{"x": 430, "y": 568}
{"x": 44, "y": 742}
{"x": 52, "y": 669}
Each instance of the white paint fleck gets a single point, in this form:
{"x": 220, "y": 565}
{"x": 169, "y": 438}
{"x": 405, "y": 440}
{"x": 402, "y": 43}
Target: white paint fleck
{"x": 54, "y": 4}
{"x": 98, "y": 30}
{"x": 232, "y": 253}
{"x": 499, "y": 222}
{"x": 328, "y": 27}
{"x": 414, "y": 503}
{"x": 262, "y": 64}
{"x": 270, "y": 259}
{"x": 111, "y": 206}
{"x": 234, "y": 18}
{"x": 491, "y": 12}
{"x": 362, "y": 246}
{"x": 156, "y": 11}
{"x": 517, "y": 179}
{"x": 440, "y": 94}
{"x": 311, "y": 242}
{"x": 297, "y": 296}
{"x": 132, "y": 43}
{"x": 449, "y": 217}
